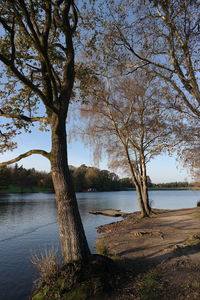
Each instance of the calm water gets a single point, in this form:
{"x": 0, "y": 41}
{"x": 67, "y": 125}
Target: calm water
{"x": 28, "y": 224}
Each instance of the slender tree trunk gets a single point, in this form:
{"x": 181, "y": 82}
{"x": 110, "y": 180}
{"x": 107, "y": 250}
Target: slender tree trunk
{"x": 137, "y": 185}
{"x": 145, "y": 188}
{"x": 72, "y": 236}
{"x": 146, "y": 198}
{"x": 140, "y": 200}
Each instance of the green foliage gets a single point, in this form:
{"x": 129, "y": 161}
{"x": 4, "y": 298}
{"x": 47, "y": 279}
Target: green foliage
{"x": 4, "y": 177}
{"x": 19, "y": 179}
{"x": 93, "y": 179}
{"x": 175, "y": 184}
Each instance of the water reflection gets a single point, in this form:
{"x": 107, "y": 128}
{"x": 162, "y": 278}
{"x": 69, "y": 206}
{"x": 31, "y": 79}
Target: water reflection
{"x": 29, "y": 222}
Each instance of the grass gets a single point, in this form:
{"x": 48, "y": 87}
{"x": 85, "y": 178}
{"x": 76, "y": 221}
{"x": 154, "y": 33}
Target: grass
{"x": 195, "y": 285}
{"x": 151, "y": 286}
{"x": 73, "y": 281}
{"x": 194, "y": 240}
{"x": 102, "y": 248}
{"x": 47, "y": 265}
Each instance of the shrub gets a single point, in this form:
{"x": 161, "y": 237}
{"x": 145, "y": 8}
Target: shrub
{"x": 47, "y": 265}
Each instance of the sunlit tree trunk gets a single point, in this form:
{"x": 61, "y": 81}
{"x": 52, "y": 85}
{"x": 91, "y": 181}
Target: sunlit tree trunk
{"x": 145, "y": 187}
{"x": 73, "y": 241}
{"x": 140, "y": 201}
{"x": 138, "y": 186}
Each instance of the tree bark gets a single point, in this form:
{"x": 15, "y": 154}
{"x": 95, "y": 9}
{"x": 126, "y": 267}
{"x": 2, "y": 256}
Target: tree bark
{"x": 72, "y": 236}
{"x": 138, "y": 186}
{"x": 141, "y": 202}
{"x": 145, "y": 188}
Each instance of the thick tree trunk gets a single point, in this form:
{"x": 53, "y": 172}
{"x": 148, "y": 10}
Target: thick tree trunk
{"x": 72, "y": 236}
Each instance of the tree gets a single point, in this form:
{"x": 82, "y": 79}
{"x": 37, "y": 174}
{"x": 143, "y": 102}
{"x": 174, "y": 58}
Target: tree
{"x": 4, "y": 177}
{"x": 163, "y": 35}
{"x": 79, "y": 178}
{"x": 37, "y": 55}
{"x": 129, "y": 121}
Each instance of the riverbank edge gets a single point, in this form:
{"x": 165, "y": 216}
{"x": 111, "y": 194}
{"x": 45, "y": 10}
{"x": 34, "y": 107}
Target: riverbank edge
{"x": 175, "y": 276}
{"x": 28, "y": 191}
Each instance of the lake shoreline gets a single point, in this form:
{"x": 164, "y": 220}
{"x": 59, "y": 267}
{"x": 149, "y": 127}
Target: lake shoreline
{"x": 156, "y": 248}
{"x": 29, "y": 222}
{"x": 27, "y": 191}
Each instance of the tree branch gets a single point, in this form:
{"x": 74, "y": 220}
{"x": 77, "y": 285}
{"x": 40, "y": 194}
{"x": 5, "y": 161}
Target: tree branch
{"x": 130, "y": 48}
{"x": 26, "y": 154}
{"x": 22, "y": 117}
{"x": 180, "y": 92}
{"x": 21, "y": 77}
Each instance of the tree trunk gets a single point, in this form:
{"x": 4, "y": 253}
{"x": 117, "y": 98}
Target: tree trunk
{"x": 146, "y": 198}
{"x": 72, "y": 236}
{"x": 145, "y": 188}
{"x": 137, "y": 185}
{"x": 140, "y": 200}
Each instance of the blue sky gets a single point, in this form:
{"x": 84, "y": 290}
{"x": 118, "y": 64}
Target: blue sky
{"x": 161, "y": 169}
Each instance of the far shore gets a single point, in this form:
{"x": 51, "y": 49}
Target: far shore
{"x": 18, "y": 190}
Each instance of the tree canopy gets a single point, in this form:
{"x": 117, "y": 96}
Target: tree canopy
{"x": 128, "y": 119}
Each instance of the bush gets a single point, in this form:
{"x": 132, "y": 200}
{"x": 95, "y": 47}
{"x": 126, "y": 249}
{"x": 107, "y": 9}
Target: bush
{"x": 47, "y": 265}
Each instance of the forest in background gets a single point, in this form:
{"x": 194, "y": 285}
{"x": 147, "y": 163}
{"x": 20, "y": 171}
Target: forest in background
{"x": 19, "y": 179}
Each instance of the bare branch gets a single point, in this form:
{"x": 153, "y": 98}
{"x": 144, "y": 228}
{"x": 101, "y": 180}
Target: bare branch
{"x": 26, "y": 154}
{"x": 180, "y": 92}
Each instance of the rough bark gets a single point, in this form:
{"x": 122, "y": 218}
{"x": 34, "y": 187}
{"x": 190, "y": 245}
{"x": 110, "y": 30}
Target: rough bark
{"x": 73, "y": 241}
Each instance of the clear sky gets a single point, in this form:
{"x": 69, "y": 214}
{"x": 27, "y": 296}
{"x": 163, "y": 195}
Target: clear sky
{"x": 161, "y": 169}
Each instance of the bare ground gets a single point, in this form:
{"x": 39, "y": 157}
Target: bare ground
{"x": 161, "y": 254}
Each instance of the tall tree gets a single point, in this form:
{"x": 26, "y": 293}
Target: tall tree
{"x": 161, "y": 34}
{"x": 37, "y": 56}
{"x": 129, "y": 121}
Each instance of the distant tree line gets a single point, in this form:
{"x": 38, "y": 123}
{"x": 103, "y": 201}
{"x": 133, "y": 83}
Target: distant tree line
{"x": 175, "y": 184}
{"x": 93, "y": 179}
{"x": 84, "y": 179}
{"x": 24, "y": 179}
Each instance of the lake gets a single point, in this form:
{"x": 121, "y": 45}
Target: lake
{"x": 28, "y": 224}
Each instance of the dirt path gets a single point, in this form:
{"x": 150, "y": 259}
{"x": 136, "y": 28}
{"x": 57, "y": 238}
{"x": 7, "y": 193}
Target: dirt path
{"x": 169, "y": 241}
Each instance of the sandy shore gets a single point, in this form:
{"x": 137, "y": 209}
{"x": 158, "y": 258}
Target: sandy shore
{"x": 168, "y": 241}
